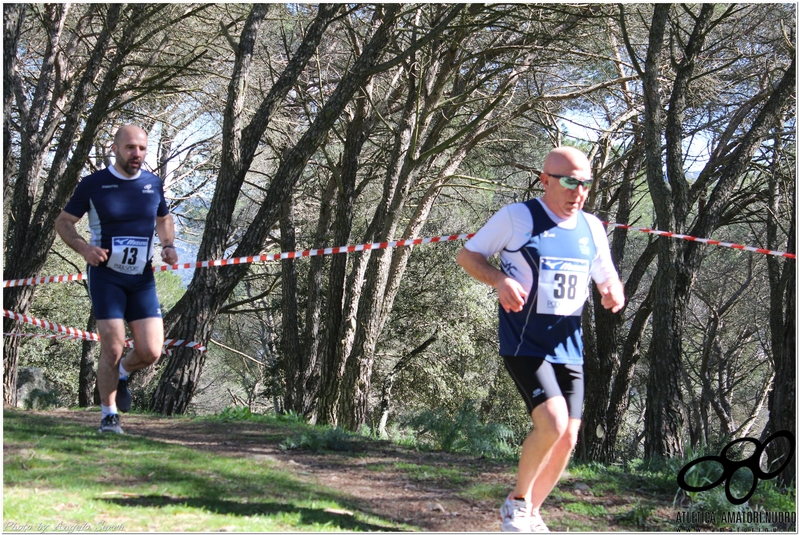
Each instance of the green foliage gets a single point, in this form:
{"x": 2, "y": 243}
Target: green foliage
{"x": 585, "y": 508}
{"x": 66, "y": 304}
{"x": 436, "y": 297}
{"x": 638, "y": 516}
{"x": 463, "y": 432}
{"x": 699, "y": 475}
{"x": 291, "y": 417}
{"x": 42, "y": 400}
{"x": 170, "y": 289}
{"x": 328, "y": 438}
{"x": 235, "y": 414}
{"x": 402, "y": 435}
{"x": 771, "y": 496}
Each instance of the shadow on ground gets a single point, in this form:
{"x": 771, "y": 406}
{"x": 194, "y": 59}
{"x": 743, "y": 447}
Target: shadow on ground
{"x": 342, "y": 520}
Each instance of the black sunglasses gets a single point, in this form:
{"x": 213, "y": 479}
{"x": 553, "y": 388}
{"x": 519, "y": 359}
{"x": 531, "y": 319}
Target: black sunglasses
{"x": 569, "y": 182}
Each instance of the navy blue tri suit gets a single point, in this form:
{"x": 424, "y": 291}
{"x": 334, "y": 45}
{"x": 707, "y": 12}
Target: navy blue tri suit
{"x": 122, "y": 214}
{"x": 553, "y": 259}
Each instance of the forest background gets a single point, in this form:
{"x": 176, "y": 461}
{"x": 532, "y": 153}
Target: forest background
{"x": 281, "y": 127}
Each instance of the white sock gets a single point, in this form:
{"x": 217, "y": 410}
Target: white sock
{"x": 123, "y": 373}
{"x": 109, "y": 410}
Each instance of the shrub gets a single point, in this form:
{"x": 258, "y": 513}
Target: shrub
{"x": 463, "y": 432}
{"x": 331, "y": 438}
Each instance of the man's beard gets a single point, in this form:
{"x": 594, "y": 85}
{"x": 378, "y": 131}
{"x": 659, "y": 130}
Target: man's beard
{"x": 130, "y": 168}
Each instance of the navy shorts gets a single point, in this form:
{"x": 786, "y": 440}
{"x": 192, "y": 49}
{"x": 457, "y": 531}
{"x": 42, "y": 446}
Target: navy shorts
{"x": 538, "y": 380}
{"x": 117, "y": 295}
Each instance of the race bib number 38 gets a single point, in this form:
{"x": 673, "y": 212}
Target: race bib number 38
{"x": 562, "y": 285}
{"x": 128, "y": 254}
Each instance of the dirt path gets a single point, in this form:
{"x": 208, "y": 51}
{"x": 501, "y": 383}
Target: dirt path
{"x": 368, "y": 476}
{"x": 425, "y": 490}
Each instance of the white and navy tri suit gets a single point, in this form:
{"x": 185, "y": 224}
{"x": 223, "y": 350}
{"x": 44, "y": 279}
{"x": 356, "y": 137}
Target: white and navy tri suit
{"x": 122, "y": 213}
{"x": 553, "y": 260}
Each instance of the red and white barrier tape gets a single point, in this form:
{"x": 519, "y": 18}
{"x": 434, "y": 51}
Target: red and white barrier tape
{"x": 376, "y": 245}
{"x": 253, "y": 259}
{"x": 71, "y": 332}
{"x": 314, "y": 252}
{"x": 77, "y": 334}
{"x": 703, "y": 240}
{"x": 44, "y": 280}
{"x": 50, "y": 326}
{"x": 169, "y": 343}
{"x": 39, "y": 335}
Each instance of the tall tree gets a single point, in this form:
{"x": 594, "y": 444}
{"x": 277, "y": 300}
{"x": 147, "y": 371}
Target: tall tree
{"x": 782, "y": 310}
{"x": 55, "y": 133}
{"x": 673, "y": 195}
{"x": 446, "y": 115}
{"x": 193, "y": 317}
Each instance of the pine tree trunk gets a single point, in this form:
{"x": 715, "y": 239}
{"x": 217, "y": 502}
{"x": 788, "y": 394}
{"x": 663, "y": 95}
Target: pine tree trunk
{"x": 182, "y": 369}
{"x": 620, "y": 393}
{"x": 196, "y": 312}
{"x": 290, "y": 341}
{"x": 331, "y": 349}
{"x": 87, "y": 377}
{"x": 782, "y": 322}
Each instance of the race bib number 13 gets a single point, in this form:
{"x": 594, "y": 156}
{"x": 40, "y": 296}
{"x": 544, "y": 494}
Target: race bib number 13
{"x": 128, "y": 254}
{"x": 562, "y": 285}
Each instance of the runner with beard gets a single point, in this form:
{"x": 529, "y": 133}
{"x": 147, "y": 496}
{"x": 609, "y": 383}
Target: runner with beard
{"x": 126, "y": 205}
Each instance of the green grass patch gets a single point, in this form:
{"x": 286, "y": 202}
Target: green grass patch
{"x": 485, "y": 491}
{"x": 63, "y": 474}
{"x": 637, "y": 516}
{"x": 573, "y": 524}
{"x": 379, "y": 466}
{"x": 420, "y": 472}
{"x": 604, "y": 480}
{"x": 586, "y": 508}
{"x": 560, "y": 494}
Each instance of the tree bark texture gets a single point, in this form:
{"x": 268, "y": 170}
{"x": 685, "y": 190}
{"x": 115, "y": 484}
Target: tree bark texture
{"x": 87, "y": 378}
{"x": 782, "y": 323}
{"x": 664, "y": 413}
{"x": 306, "y": 387}
{"x": 210, "y": 288}
{"x": 290, "y": 339}
{"x": 31, "y": 233}
{"x": 13, "y": 19}
{"x": 332, "y": 365}
{"x": 357, "y": 367}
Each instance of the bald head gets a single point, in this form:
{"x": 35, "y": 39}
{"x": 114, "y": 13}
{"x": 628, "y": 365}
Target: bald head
{"x": 564, "y": 200}
{"x": 567, "y": 161}
{"x": 129, "y": 130}
{"x": 130, "y": 148}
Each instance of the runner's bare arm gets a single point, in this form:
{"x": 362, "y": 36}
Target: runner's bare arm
{"x": 165, "y": 226}
{"x": 510, "y": 292}
{"x": 65, "y": 226}
{"x": 612, "y": 291}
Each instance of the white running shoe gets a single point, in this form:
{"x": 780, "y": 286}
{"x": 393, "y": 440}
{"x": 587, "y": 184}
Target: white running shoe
{"x": 537, "y": 523}
{"x": 515, "y": 515}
